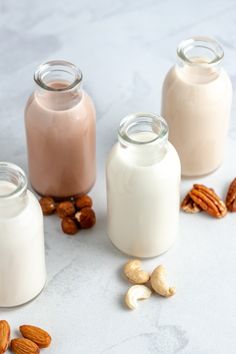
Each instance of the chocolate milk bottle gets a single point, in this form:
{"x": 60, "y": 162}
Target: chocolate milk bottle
{"x": 60, "y": 131}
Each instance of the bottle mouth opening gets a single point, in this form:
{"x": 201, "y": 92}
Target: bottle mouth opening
{"x": 200, "y": 51}
{"x": 142, "y": 129}
{"x": 58, "y": 76}
{"x": 16, "y": 177}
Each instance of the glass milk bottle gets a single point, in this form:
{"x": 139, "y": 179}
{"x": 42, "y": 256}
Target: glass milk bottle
{"x": 60, "y": 131}
{"x": 196, "y": 103}
{"x": 22, "y": 261}
{"x": 143, "y": 179}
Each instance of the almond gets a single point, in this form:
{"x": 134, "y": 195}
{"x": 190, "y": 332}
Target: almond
{"x": 24, "y": 346}
{"x": 36, "y": 335}
{"x": 4, "y": 335}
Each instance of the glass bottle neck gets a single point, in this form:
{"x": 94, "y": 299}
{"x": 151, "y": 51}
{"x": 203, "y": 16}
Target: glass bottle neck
{"x": 58, "y": 85}
{"x": 200, "y": 58}
{"x": 143, "y": 138}
{"x": 13, "y": 189}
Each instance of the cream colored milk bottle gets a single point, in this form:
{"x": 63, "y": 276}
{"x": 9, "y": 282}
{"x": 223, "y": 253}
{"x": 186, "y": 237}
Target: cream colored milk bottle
{"x": 196, "y": 103}
{"x": 22, "y": 259}
{"x": 143, "y": 178}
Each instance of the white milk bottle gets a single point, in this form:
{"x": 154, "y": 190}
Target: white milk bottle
{"x": 196, "y": 103}
{"x": 22, "y": 260}
{"x": 143, "y": 179}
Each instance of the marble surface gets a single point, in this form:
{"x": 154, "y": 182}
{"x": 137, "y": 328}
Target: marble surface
{"x": 124, "y": 49}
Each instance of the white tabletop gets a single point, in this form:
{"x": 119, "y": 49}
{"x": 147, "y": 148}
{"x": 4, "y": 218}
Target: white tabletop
{"x": 124, "y": 49}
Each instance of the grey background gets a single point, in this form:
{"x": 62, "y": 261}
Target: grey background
{"x": 124, "y": 49}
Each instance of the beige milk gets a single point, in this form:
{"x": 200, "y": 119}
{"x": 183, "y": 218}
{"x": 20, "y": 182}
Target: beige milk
{"x": 196, "y": 103}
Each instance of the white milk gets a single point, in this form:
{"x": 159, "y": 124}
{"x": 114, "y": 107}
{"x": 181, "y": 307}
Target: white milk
{"x": 143, "y": 194}
{"x": 196, "y": 104}
{"x": 22, "y": 262}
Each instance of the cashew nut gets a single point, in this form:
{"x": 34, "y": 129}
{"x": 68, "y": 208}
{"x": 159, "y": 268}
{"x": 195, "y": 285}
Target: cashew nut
{"x": 159, "y": 284}
{"x": 134, "y": 272}
{"x": 135, "y": 293}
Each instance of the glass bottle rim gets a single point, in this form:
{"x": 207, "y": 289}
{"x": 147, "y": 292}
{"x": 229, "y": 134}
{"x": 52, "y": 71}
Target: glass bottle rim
{"x": 14, "y": 174}
{"x": 58, "y": 65}
{"x": 154, "y": 124}
{"x": 204, "y": 42}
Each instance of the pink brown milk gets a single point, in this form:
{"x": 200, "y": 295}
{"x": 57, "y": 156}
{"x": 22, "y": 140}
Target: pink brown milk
{"x": 60, "y": 131}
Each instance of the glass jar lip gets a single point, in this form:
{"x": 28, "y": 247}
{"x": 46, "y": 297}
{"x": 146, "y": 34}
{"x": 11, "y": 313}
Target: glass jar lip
{"x": 134, "y": 119}
{"x": 204, "y": 42}
{"x": 65, "y": 66}
{"x": 22, "y": 182}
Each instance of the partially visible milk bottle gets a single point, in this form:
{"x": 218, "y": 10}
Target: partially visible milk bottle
{"x": 22, "y": 260}
{"x": 143, "y": 178}
{"x": 196, "y": 103}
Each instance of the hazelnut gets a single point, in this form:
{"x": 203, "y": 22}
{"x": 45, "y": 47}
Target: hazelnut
{"x": 86, "y": 218}
{"x": 65, "y": 209}
{"x": 69, "y": 226}
{"x": 48, "y": 205}
{"x": 83, "y": 202}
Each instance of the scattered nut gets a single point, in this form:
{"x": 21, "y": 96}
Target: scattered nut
{"x": 135, "y": 293}
{"x": 69, "y": 226}
{"x": 86, "y": 218}
{"x": 24, "y": 346}
{"x": 231, "y": 197}
{"x": 4, "y": 336}
{"x": 189, "y": 206}
{"x": 74, "y": 211}
{"x": 159, "y": 284}
{"x": 134, "y": 272}
{"x": 65, "y": 209}
{"x": 48, "y": 205}
{"x": 36, "y": 335}
{"x": 208, "y": 200}
{"x": 83, "y": 202}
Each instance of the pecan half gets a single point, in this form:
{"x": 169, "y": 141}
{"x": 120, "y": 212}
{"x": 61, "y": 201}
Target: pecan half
{"x": 231, "y": 197}
{"x": 189, "y": 206}
{"x": 208, "y": 200}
